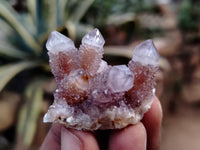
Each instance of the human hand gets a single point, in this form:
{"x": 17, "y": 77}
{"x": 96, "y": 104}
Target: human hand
{"x": 141, "y": 136}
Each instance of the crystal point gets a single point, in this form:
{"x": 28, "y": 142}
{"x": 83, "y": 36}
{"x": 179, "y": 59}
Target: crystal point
{"x": 58, "y": 42}
{"x": 146, "y": 53}
{"x": 94, "y": 38}
{"x": 120, "y": 79}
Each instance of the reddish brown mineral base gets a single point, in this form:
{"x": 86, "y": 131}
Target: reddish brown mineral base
{"x": 93, "y": 95}
{"x": 90, "y": 59}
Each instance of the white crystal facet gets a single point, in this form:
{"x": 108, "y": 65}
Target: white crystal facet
{"x": 120, "y": 79}
{"x": 76, "y": 79}
{"x": 48, "y": 118}
{"x": 50, "y": 115}
{"x": 94, "y": 38}
{"x": 58, "y": 42}
{"x": 146, "y": 53}
{"x": 103, "y": 66}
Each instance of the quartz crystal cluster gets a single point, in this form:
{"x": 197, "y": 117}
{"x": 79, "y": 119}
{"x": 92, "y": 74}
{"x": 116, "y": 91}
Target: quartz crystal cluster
{"x": 93, "y": 95}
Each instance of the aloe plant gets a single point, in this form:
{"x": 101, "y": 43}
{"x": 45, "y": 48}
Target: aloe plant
{"x": 23, "y": 35}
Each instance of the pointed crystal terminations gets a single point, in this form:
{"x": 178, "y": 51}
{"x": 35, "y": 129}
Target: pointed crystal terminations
{"x": 94, "y": 38}
{"x": 91, "y": 51}
{"x": 93, "y": 95}
{"x": 146, "y": 53}
{"x": 62, "y": 54}
{"x": 58, "y": 42}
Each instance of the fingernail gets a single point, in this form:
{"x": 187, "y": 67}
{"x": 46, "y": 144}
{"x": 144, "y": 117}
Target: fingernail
{"x": 69, "y": 141}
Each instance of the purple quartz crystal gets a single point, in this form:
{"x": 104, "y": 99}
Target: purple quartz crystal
{"x": 93, "y": 95}
{"x": 120, "y": 79}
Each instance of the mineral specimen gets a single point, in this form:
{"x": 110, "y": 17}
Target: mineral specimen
{"x": 93, "y": 95}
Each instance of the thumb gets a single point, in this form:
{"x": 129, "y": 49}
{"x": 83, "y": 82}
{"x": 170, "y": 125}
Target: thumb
{"x": 77, "y": 140}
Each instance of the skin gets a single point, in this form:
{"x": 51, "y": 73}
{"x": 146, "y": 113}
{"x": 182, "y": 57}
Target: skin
{"x": 141, "y": 136}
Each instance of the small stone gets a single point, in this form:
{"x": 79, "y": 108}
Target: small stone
{"x": 146, "y": 53}
{"x": 58, "y": 42}
{"x": 120, "y": 79}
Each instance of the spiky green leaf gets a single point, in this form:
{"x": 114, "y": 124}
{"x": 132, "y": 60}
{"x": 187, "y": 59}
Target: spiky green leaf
{"x": 29, "y": 112}
{"x": 5, "y": 28}
{"x": 62, "y": 11}
{"x": 80, "y": 10}
{"x": 10, "y": 51}
{"x": 7, "y": 72}
{"x": 31, "y": 5}
{"x": 10, "y": 15}
{"x": 47, "y": 17}
{"x": 77, "y": 30}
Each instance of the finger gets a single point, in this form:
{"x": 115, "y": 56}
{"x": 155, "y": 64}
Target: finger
{"x": 52, "y": 140}
{"x": 77, "y": 140}
{"x": 152, "y": 122}
{"x": 130, "y": 138}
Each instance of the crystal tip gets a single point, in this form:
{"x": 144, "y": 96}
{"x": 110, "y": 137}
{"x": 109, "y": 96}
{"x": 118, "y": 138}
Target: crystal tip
{"x": 94, "y": 38}
{"x": 58, "y": 42}
{"x": 146, "y": 53}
